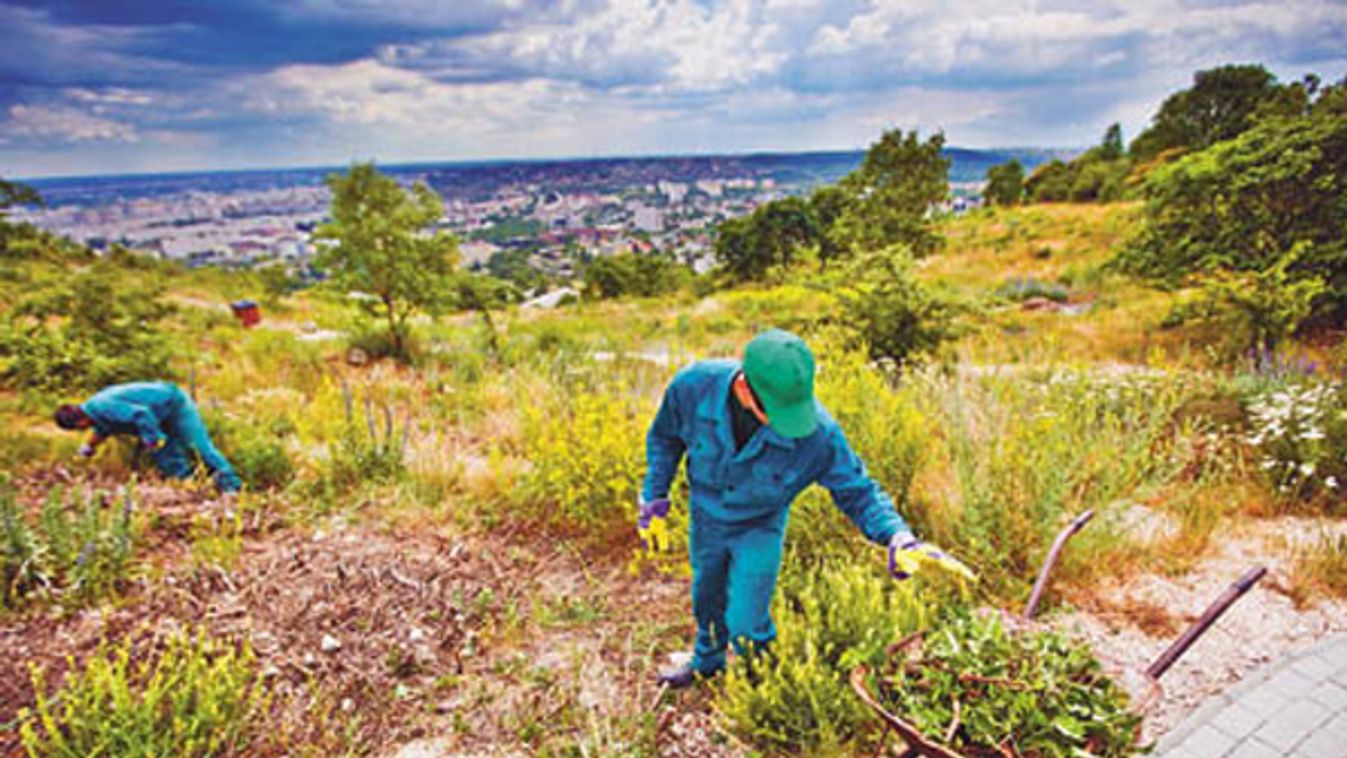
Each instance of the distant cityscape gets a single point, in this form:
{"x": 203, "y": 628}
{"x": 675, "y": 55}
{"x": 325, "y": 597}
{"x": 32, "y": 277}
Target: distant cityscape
{"x": 550, "y": 215}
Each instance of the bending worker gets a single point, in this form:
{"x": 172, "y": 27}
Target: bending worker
{"x": 755, "y": 437}
{"x": 162, "y": 417}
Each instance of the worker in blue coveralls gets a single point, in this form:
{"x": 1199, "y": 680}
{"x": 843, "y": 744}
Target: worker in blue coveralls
{"x": 161, "y": 417}
{"x": 755, "y": 437}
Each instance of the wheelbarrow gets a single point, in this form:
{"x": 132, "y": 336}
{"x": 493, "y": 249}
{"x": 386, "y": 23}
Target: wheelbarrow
{"x": 1144, "y": 687}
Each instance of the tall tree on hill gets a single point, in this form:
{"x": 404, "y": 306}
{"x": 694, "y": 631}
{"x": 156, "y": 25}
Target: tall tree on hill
{"x": 1219, "y": 106}
{"x": 900, "y": 179}
{"x": 1005, "y": 183}
{"x": 381, "y": 242}
{"x": 770, "y": 236}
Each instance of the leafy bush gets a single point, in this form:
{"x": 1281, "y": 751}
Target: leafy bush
{"x": 888, "y": 310}
{"x": 586, "y": 452}
{"x": 1257, "y": 310}
{"x": 256, "y": 451}
{"x": 1098, "y": 174}
{"x": 973, "y": 685}
{"x": 1249, "y": 203}
{"x": 635, "y": 275}
{"x": 828, "y": 620}
{"x": 196, "y": 697}
{"x": 1300, "y": 433}
{"x": 1005, "y": 183}
{"x": 77, "y": 551}
{"x": 96, "y": 327}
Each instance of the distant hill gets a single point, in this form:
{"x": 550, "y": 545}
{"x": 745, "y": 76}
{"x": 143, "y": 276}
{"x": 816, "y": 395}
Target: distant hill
{"x": 482, "y": 178}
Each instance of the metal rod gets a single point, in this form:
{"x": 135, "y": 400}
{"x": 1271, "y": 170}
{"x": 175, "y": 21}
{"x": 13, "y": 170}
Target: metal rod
{"x": 1054, "y": 553}
{"x": 1232, "y": 593}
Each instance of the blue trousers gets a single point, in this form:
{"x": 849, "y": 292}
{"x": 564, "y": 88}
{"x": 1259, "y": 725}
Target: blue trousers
{"x": 186, "y": 432}
{"x": 734, "y": 570}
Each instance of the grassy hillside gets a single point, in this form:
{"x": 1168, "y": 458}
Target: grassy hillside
{"x": 453, "y": 540}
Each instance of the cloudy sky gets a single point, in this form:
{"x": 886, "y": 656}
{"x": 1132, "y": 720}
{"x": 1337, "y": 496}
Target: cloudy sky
{"x": 99, "y": 86}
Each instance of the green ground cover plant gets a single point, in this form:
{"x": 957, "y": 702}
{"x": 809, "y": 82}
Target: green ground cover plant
{"x": 78, "y": 549}
{"x": 972, "y": 684}
{"x": 197, "y": 696}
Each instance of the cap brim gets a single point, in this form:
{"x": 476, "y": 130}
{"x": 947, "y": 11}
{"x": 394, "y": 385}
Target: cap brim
{"x": 793, "y": 420}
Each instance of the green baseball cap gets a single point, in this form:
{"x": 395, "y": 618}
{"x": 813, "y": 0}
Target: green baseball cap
{"x": 780, "y": 369}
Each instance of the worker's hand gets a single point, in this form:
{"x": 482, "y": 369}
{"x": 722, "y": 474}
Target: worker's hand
{"x": 908, "y": 555}
{"x": 87, "y": 450}
{"x": 653, "y": 525}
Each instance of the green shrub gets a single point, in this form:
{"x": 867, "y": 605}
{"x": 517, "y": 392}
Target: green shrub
{"x": 89, "y": 329}
{"x": 369, "y": 455}
{"x": 77, "y": 551}
{"x": 257, "y": 452}
{"x": 196, "y": 697}
{"x": 828, "y": 620}
{"x": 888, "y": 310}
{"x": 632, "y": 274}
{"x": 586, "y": 451}
{"x": 983, "y": 691}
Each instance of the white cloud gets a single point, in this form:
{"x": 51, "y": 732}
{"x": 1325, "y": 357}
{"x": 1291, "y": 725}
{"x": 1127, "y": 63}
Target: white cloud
{"x": 997, "y": 38}
{"x": 64, "y": 124}
{"x": 681, "y": 45}
{"x": 109, "y": 96}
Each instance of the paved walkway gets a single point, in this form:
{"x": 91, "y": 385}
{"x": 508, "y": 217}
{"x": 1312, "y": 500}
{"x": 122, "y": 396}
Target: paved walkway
{"x": 1294, "y": 707}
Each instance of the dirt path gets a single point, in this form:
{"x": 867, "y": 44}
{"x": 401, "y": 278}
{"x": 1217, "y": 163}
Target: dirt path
{"x": 1144, "y": 614}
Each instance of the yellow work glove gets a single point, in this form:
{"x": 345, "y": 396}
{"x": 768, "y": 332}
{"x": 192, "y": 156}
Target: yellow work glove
{"x": 653, "y": 525}
{"x": 909, "y": 555}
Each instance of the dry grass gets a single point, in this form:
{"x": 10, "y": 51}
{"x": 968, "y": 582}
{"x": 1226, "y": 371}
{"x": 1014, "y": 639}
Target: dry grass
{"x": 1319, "y": 570}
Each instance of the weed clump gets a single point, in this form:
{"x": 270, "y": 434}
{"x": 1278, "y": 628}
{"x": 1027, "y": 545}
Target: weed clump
{"x": 78, "y": 550}
{"x": 197, "y": 697}
{"x": 983, "y": 691}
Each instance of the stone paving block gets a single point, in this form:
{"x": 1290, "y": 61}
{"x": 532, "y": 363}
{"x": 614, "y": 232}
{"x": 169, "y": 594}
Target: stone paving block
{"x": 1315, "y": 667}
{"x": 1263, "y": 700}
{"x": 1328, "y": 741}
{"x": 1336, "y": 655}
{"x": 1331, "y": 694}
{"x": 1289, "y": 682}
{"x": 1208, "y": 742}
{"x": 1237, "y": 720}
{"x": 1290, "y": 725}
{"x": 1252, "y": 748}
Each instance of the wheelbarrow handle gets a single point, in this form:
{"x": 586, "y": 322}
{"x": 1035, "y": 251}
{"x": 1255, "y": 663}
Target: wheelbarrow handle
{"x": 1054, "y": 553}
{"x": 1213, "y": 612}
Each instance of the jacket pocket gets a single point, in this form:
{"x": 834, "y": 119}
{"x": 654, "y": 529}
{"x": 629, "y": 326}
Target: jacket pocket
{"x": 704, "y": 464}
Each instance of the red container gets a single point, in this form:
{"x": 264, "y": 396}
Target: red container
{"x": 247, "y": 312}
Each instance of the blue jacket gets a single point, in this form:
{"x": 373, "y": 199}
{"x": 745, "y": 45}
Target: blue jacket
{"x": 765, "y": 477}
{"x": 143, "y": 409}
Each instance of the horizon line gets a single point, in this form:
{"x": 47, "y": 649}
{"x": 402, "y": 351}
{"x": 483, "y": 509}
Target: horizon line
{"x": 403, "y": 164}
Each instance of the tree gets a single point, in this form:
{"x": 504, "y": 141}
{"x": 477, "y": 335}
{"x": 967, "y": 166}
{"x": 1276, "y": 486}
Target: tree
{"x": 381, "y": 242}
{"x": 1005, "y": 183}
{"x": 1246, "y": 204}
{"x": 1111, "y": 147}
{"x": 829, "y": 204}
{"x": 888, "y": 310}
{"x": 770, "y": 236}
{"x": 13, "y": 193}
{"x": 632, "y": 274}
{"x": 1050, "y": 182}
{"x": 893, "y": 191}
{"x": 1219, "y": 106}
